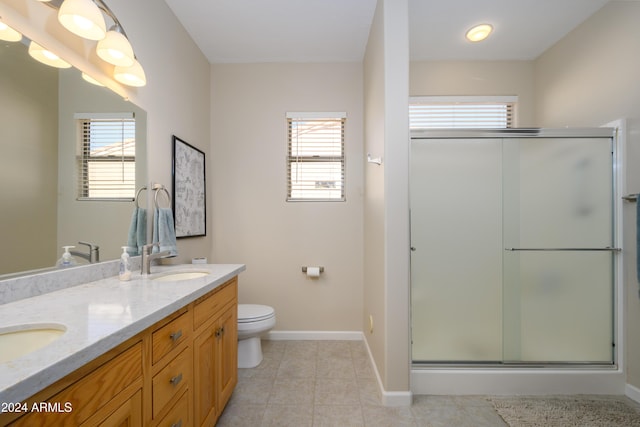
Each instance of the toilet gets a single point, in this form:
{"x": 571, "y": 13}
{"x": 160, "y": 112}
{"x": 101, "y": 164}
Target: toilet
{"x": 253, "y": 321}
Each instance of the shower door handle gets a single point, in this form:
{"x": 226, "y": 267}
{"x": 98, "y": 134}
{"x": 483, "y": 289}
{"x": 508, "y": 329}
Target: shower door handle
{"x": 609, "y": 249}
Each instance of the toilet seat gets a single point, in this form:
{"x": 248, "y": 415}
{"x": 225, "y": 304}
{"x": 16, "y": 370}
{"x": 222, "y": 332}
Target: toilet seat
{"x": 248, "y": 313}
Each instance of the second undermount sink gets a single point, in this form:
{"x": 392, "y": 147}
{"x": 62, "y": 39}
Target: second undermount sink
{"x": 18, "y": 340}
{"x": 180, "y": 275}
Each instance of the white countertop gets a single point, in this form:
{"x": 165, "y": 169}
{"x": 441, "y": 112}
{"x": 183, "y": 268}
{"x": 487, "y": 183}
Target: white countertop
{"x": 98, "y": 316}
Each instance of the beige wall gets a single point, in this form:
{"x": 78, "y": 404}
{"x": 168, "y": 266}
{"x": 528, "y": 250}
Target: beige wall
{"x": 386, "y": 296}
{"x": 252, "y": 222}
{"x": 374, "y": 194}
{"x": 590, "y": 78}
{"x": 469, "y": 78}
{"x": 29, "y": 94}
{"x": 176, "y": 97}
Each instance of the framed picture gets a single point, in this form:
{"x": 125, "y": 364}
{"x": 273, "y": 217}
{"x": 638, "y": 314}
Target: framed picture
{"x": 189, "y": 196}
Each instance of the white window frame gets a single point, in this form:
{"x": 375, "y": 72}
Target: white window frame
{"x": 335, "y": 162}
{"x": 454, "y": 102}
{"x": 122, "y": 162}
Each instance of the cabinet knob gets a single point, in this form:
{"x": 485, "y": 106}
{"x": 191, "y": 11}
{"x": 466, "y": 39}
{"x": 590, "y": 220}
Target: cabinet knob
{"x": 178, "y": 424}
{"x": 176, "y": 380}
{"x": 176, "y": 335}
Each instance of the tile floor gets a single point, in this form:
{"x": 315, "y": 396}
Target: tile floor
{"x": 332, "y": 383}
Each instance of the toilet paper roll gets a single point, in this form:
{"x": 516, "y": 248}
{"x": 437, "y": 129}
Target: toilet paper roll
{"x": 313, "y": 271}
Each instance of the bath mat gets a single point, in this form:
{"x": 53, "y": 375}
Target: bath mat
{"x": 561, "y": 411}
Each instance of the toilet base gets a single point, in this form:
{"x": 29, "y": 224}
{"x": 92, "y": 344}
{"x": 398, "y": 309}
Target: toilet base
{"x": 249, "y": 352}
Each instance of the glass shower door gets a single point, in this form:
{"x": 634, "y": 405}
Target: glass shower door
{"x": 558, "y": 261}
{"x": 456, "y": 258}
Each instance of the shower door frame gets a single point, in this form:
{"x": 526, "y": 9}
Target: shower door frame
{"x": 615, "y": 131}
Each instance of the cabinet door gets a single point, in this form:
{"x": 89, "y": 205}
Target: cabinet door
{"x": 227, "y": 354}
{"x": 204, "y": 349}
{"x": 128, "y": 414}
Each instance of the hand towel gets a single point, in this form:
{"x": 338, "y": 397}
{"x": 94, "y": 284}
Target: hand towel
{"x": 164, "y": 231}
{"x": 137, "y": 236}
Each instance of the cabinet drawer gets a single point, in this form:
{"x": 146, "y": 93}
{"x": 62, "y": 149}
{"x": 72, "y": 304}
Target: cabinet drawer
{"x": 208, "y": 307}
{"x": 170, "y": 336}
{"x": 172, "y": 380}
{"x": 178, "y": 416}
{"x": 92, "y": 392}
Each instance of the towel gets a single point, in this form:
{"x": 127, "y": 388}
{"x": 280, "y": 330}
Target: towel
{"x": 137, "y": 237}
{"x": 164, "y": 231}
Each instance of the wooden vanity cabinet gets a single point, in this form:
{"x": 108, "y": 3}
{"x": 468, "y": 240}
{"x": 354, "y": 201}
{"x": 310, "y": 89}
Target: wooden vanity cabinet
{"x": 179, "y": 372}
{"x": 215, "y": 353}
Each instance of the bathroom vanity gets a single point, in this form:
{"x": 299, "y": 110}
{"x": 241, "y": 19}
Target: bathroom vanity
{"x": 157, "y": 350}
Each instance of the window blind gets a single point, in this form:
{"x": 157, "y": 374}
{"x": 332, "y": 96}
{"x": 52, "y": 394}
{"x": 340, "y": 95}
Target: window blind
{"x": 316, "y": 160}
{"x": 106, "y": 159}
{"x": 469, "y": 114}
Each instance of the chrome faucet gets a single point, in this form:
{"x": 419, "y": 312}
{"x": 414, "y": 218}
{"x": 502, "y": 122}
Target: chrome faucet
{"x": 148, "y": 257}
{"x": 92, "y": 256}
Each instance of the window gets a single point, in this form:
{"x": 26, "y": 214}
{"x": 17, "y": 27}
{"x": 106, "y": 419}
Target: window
{"x": 471, "y": 112}
{"x": 315, "y": 159}
{"x": 107, "y": 156}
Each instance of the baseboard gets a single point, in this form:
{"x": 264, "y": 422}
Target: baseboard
{"x": 314, "y": 336}
{"x": 632, "y": 392}
{"x": 388, "y": 398}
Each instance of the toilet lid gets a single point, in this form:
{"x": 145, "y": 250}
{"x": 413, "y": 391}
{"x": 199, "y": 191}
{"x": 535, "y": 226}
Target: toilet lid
{"x": 254, "y": 312}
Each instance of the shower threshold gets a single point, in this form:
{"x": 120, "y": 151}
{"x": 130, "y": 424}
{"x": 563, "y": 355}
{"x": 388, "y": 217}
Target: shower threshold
{"x": 511, "y": 365}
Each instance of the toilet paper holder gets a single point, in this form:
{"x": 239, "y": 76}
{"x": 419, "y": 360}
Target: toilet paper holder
{"x": 304, "y": 269}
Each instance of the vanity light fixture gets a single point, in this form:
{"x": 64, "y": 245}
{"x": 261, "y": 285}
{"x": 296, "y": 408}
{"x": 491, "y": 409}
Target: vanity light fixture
{"x": 83, "y": 18}
{"x": 86, "y": 18}
{"x": 9, "y": 34}
{"x": 479, "y": 32}
{"x": 45, "y": 56}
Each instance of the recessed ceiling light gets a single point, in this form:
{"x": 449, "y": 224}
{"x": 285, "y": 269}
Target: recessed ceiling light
{"x": 479, "y": 32}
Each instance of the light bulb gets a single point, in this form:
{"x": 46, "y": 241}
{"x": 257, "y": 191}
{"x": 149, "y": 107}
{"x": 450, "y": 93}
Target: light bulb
{"x": 45, "y": 56}
{"x": 130, "y": 76}
{"x": 9, "y": 34}
{"x": 83, "y": 18}
{"x": 116, "y": 49}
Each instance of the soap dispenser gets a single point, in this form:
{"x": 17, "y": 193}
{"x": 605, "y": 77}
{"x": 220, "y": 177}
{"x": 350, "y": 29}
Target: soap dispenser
{"x": 66, "y": 260}
{"x": 125, "y": 269}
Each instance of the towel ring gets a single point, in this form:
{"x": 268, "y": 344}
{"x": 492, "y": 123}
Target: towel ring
{"x": 138, "y": 195}
{"x": 155, "y": 197}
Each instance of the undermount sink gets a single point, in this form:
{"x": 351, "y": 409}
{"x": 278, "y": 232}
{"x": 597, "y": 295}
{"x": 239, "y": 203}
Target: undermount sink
{"x": 181, "y": 275}
{"x": 18, "y": 340}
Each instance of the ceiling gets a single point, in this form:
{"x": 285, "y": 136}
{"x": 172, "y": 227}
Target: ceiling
{"x": 243, "y": 31}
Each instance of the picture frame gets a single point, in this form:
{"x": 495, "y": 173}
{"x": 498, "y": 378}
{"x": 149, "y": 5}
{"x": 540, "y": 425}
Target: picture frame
{"x": 189, "y": 190}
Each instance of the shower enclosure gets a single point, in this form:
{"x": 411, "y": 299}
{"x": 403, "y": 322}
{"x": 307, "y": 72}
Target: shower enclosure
{"x": 513, "y": 247}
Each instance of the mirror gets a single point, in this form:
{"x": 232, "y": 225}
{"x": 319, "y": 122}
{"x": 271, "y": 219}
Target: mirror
{"x": 38, "y": 167}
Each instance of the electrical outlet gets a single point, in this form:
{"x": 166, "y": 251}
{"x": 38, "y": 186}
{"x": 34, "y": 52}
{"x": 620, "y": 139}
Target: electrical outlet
{"x": 370, "y": 324}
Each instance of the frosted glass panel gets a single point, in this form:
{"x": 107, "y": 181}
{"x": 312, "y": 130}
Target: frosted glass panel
{"x": 457, "y": 262}
{"x": 562, "y": 305}
{"x": 558, "y": 192}
{"x": 558, "y": 301}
